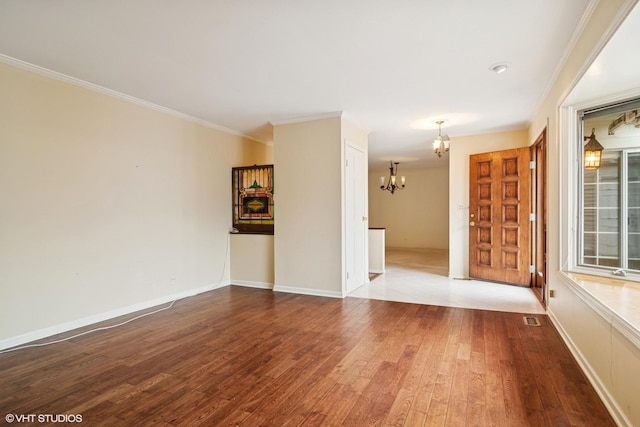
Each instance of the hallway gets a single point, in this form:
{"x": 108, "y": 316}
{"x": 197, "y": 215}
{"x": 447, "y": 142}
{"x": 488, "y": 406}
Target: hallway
{"x": 421, "y": 276}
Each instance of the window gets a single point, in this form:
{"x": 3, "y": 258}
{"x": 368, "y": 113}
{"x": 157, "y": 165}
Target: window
{"x": 610, "y": 194}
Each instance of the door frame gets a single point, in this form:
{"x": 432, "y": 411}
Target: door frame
{"x": 358, "y": 279}
{"x": 539, "y": 210}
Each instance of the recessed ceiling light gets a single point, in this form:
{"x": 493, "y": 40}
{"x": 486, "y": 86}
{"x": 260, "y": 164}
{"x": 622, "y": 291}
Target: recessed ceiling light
{"x": 499, "y": 68}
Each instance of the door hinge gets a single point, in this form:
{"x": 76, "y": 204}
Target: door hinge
{"x": 532, "y": 217}
{"x": 346, "y": 163}
{"x": 347, "y": 275}
{"x": 532, "y": 269}
{"x": 532, "y": 165}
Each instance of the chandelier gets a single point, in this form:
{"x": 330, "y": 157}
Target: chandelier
{"x": 441, "y": 143}
{"x": 392, "y": 184}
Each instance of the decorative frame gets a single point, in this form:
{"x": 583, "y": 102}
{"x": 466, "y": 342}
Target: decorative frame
{"x": 253, "y": 206}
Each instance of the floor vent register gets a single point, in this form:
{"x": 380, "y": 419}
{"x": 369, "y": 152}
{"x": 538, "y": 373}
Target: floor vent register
{"x": 531, "y": 321}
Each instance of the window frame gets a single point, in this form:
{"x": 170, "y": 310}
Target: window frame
{"x": 571, "y": 177}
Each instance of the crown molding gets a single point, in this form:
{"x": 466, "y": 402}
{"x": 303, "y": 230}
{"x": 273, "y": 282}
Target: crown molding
{"x": 582, "y": 25}
{"x": 115, "y": 94}
{"x": 309, "y": 118}
{"x": 613, "y": 26}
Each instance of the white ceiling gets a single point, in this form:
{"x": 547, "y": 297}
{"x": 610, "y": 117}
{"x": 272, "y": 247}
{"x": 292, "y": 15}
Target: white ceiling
{"x": 244, "y": 64}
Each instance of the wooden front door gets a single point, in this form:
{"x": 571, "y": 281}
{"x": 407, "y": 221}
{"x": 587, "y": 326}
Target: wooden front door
{"x": 499, "y": 206}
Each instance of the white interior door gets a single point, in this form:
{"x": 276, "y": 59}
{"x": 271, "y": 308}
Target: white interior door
{"x": 356, "y": 221}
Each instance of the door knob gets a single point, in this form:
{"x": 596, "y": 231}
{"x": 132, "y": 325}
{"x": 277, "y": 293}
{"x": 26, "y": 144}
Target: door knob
{"x": 472, "y": 224}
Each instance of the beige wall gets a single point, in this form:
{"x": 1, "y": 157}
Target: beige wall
{"x": 310, "y": 206}
{"x": 418, "y": 215}
{"x": 308, "y": 199}
{"x": 609, "y": 358}
{"x": 106, "y": 205}
{"x": 355, "y": 135}
{"x": 460, "y": 150}
{"x": 252, "y": 260}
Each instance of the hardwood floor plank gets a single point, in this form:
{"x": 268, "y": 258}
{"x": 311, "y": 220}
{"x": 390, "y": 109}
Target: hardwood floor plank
{"x": 415, "y": 418}
{"x": 494, "y": 393}
{"x": 242, "y": 356}
{"x": 434, "y": 348}
{"x": 476, "y": 405}
{"x": 399, "y": 411}
{"x": 314, "y": 389}
{"x": 337, "y": 404}
{"x": 287, "y": 393}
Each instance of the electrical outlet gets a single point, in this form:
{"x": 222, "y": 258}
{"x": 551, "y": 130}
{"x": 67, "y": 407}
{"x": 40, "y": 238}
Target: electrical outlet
{"x": 173, "y": 278}
{"x": 552, "y": 293}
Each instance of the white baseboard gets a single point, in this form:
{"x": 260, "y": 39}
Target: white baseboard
{"x": 307, "y": 291}
{"x": 593, "y": 378}
{"x": 96, "y": 318}
{"x": 373, "y": 271}
{"x": 250, "y": 284}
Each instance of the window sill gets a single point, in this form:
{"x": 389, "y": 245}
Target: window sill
{"x": 616, "y": 300}
{"x": 264, "y": 233}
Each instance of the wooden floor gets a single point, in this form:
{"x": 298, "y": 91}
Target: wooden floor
{"x": 241, "y": 356}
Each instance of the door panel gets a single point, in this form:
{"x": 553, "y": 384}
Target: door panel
{"x": 499, "y": 216}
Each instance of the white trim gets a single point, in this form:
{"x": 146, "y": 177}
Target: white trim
{"x": 309, "y": 118}
{"x": 569, "y": 163}
{"x": 347, "y": 144}
{"x": 569, "y": 215}
{"x": 109, "y": 92}
{"x": 614, "y": 410}
{"x": 604, "y": 272}
{"x": 610, "y": 98}
{"x": 308, "y": 291}
{"x": 250, "y": 284}
{"x": 630, "y": 331}
{"x": 544, "y": 128}
{"x": 96, "y": 318}
{"x": 617, "y": 21}
{"x": 584, "y": 21}
{"x": 349, "y": 118}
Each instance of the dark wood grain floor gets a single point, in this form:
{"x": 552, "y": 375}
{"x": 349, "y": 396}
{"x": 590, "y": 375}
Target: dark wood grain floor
{"x": 241, "y": 356}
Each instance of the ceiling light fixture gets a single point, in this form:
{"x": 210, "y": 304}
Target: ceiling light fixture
{"x": 592, "y": 152}
{"x": 500, "y": 68}
{"x": 391, "y": 185}
{"x": 441, "y": 143}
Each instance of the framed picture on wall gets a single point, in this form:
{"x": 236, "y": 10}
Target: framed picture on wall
{"x": 253, "y": 207}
